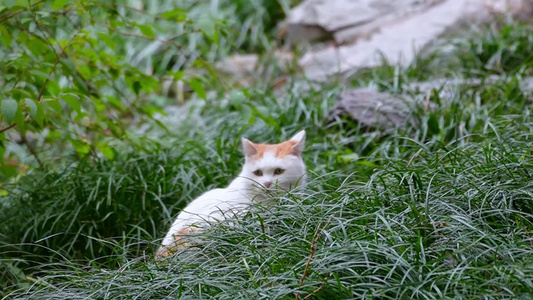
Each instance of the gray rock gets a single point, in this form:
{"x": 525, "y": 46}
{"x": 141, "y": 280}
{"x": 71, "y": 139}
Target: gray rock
{"x": 374, "y": 110}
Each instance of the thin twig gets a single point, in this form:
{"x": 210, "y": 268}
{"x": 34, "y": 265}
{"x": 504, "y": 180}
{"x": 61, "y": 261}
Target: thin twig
{"x": 116, "y": 5}
{"x": 315, "y": 291}
{"x": 16, "y": 13}
{"x": 311, "y": 254}
{"x": 90, "y": 88}
{"x": 40, "y": 95}
{"x": 45, "y": 38}
{"x": 164, "y": 41}
{"x": 32, "y": 151}
{"x": 8, "y": 127}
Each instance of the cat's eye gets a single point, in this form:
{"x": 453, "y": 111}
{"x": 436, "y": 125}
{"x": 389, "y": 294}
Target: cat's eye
{"x": 258, "y": 173}
{"x": 278, "y": 171}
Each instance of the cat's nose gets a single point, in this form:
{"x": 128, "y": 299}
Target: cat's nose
{"x": 267, "y": 184}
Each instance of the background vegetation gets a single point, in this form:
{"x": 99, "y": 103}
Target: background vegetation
{"x": 98, "y": 159}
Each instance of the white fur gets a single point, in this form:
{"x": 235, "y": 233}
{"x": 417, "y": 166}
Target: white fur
{"x": 244, "y": 190}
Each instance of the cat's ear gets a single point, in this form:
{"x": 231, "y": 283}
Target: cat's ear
{"x": 299, "y": 138}
{"x": 248, "y": 147}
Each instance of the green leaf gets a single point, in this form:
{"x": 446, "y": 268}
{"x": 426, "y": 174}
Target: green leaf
{"x": 39, "y": 117}
{"x": 2, "y": 149}
{"x": 23, "y": 3}
{"x": 107, "y": 40}
{"x": 9, "y": 109}
{"x": 32, "y": 106}
{"x": 20, "y": 120}
{"x": 15, "y": 271}
{"x": 53, "y": 87}
{"x": 72, "y": 101}
{"x": 349, "y": 157}
{"x": 207, "y": 26}
{"x": 106, "y": 150}
{"x": 81, "y": 147}
{"x": 162, "y": 126}
{"x": 151, "y": 110}
{"x": 175, "y": 14}
{"x": 147, "y": 31}
{"x": 136, "y": 86}
{"x": 236, "y": 98}
{"x": 149, "y": 84}
{"x": 176, "y": 75}
{"x": 248, "y": 114}
{"x": 433, "y": 124}
{"x": 366, "y": 163}
{"x": 198, "y": 88}
{"x": 9, "y": 3}
{"x": 8, "y": 171}
{"x": 263, "y": 113}
{"x": 5, "y": 37}
{"x": 83, "y": 118}
{"x": 20, "y": 93}
{"x": 59, "y": 4}
{"x": 55, "y": 105}
{"x": 54, "y": 134}
{"x": 39, "y": 73}
{"x": 115, "y": 102}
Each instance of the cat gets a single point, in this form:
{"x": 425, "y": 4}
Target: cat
{"x": 268, "y": 168}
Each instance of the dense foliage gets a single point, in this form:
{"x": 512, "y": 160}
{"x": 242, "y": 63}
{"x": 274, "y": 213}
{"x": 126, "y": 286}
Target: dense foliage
{"x": 439, "y": 210}
{"x": 77, "y": 74}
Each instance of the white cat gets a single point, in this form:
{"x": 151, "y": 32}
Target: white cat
{"x": 267, "y": 168}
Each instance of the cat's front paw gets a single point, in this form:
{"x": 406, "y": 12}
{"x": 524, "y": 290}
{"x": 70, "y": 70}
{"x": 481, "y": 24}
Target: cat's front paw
{"x": 164, "y": 252}
{"x": 180, "y": 242}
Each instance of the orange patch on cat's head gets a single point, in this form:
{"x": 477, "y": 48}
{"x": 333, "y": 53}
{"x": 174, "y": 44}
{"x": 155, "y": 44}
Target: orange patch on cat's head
{"x": 280, "y": 150}
{"x": 294, "y": 146}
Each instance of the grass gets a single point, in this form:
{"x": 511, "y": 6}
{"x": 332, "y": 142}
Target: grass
{"x": 441, "y": 210}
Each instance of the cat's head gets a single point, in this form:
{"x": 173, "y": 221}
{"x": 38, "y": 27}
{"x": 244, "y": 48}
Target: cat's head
{"x": 275, "y": 166}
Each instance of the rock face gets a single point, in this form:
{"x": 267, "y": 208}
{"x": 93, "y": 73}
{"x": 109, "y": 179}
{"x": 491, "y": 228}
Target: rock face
{"x": 370, "y": 31}
{"x": 374, "y": 110}
{"x": 347, "y": 19}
